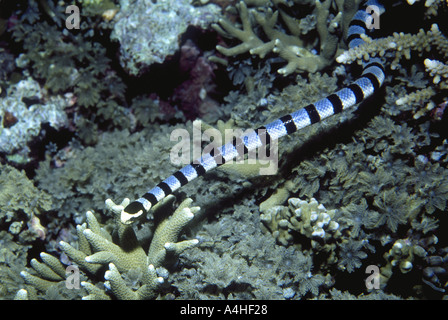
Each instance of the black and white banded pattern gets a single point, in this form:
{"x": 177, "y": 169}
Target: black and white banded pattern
{"x": 370, "y": 81}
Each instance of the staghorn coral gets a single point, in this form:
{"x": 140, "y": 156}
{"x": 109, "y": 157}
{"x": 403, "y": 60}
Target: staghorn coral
{"x": 121, "y": 252}
{"x": 438, "y": 70}
{"x": 290, "y": 47}
{"x": 432, "y": 6}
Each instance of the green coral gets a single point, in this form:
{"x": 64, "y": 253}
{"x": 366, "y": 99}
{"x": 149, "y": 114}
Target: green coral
{"x": 21, "y": 203}
{"x": 121, "y": 252}
{"x": 88, "y": 176}
{"x": 47, "y": 277}
{"x": 290, "y": 45}
{"x": 13, "y": 258}
{"x": 395, "y": 208}
{"x": 236, "y": 260}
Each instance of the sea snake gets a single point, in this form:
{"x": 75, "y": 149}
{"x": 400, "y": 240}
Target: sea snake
{"x": 370, "y": 81}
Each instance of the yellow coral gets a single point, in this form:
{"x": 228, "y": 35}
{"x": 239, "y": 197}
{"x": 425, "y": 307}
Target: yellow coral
{"x": 96, "y": 249}
{"x": 439, "y": 71}
{"x": 309, "y": 218}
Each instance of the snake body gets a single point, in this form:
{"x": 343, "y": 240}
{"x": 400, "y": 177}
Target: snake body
{"x": 367, "y": 84}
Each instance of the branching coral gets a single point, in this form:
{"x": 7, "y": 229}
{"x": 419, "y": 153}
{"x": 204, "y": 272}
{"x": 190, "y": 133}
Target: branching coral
{"x": 290, "y": 47}
{"x": 400, "y": 44}
{"x": 439, "y": 71}
{"x": 121, "y": 252}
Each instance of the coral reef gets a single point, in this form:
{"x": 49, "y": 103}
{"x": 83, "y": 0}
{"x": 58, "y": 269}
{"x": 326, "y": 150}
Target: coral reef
{"x": 366, "y": 187}
{"x": 71, "y": 63}
{"x": 13, "y": 258}
{"x": 308, "y": 225}
{"x": 193, "y": 95}
{"x": 400, "y": 44}
{"x": 84, "y": 180}
{"x": 149, "y": 31}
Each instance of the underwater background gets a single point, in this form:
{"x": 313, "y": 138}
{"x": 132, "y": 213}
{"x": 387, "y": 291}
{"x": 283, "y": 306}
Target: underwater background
{"x": 91, "y": 92}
